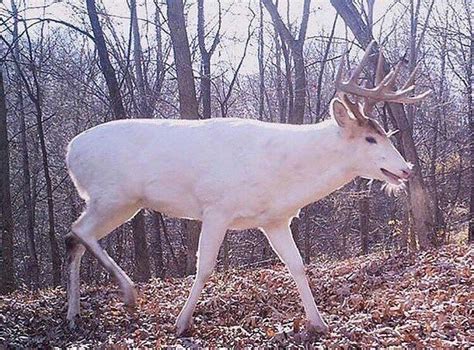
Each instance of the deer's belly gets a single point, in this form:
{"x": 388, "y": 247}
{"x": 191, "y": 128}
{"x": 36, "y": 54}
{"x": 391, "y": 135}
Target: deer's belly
{"x": 261, "y": 213}
{"x": 245, "y": 204}
{"x": 176, "y": 203}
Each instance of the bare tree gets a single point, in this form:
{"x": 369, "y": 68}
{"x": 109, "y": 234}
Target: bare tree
{"x": 6, "y": 218}
{"x": 158, "y": 246}
{"x": 321, "y": 69}
{"x": 225, "y": 93}
{"x": 471, "y": 125}
{"x": 142, "y": 256}
{"x": 261, "y": 65}
{"x": 145, "y": 109}
{"x": 364, "y": 216}
{"x": 34, "y": 93}
{"x": 282, "y": 97}
{"x": 188, "y": 105}
{"x": 32, "y": 261}
{"x": 105, "y": 64}
{"x": 364, "y": 200}
{"x": 206, "y": 56}
{"x": 465, "y": 40}
{"x": 296, "y": 45}
{"x": 439, "y": 113}
{"x": 160, "y": 59}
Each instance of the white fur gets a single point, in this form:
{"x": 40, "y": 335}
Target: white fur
{"x": 229, "y": 173}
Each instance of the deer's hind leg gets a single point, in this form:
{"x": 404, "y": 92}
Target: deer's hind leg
{"x": 74, "y": 251}
{"x": 97, "y": 221}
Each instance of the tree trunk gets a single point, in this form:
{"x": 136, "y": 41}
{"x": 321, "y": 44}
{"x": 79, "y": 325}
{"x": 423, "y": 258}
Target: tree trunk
{"x": 364, "y": 202}
{"x": 206, "y": 85}
{"x": 307, "y": 241}
{"x": 405, "y": 229}
{"x": 6, "y": 218}
{"x": 145, "y": 108}
{"x": 55, "y": 254}
{"x": 471, "y": 135}
{"x": 364, "y": 218}
{"x": 300, "y": 86}
{"x": 206, "y": 56}
{"x": 32, "y": 260}
{"x": 35, "y": 95}
{"x": 142, "y": 261}
{"x": 160, "y": 65}
{"x": 440, "y": 112}
{"x": 289, "y": 83}
{"x": 192, "y": 229}
{"x": 261, "y": 67}
{"x": 296, "y": 46}
{"x": 225, "y": 253}
{"x": 281, "y": 98}
{"x": 105, "y": 64}
{"x": 158, "y": 247}
{"x": 321, "y": 70}
{"x": 205, "y": 64}
{"x": 188, "y": 106}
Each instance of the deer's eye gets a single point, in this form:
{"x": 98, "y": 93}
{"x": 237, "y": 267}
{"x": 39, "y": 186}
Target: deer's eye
{"x": 370, "y": 139}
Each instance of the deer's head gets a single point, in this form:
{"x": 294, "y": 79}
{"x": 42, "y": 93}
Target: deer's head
{"x": 377, "y": 158}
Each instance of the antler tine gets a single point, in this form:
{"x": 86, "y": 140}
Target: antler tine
{"x": 360, "y": 66}
{"x": 379, "y": 71}
{"x": 402, "y": 93}
{"x": 414, "y": 99}
{"x": 367, "y": 103}
{"x": 384, "y": 85}
{"x": 368, "y": 106}
{"x": 354, "y": 107}
{"x": 339, "y": 71}
{"x": 391, "y": 77}
{"x": 411, "y": 78}
{"x": 410, "y": 85}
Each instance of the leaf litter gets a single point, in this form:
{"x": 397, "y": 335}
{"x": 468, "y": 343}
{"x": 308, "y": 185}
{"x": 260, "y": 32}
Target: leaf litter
{"x": 422, "y": 300}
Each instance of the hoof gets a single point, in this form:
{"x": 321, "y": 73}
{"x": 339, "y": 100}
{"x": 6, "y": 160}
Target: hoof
{"x": 130, "y": 298}
{"x": 72, "y": 323}
{"x": 183, "y": 328}
{"x": 131, "y": 308}
{"x": 317, "y": 328}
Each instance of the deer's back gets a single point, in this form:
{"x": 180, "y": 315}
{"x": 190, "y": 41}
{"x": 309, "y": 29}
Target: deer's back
{"x": 182, "y": 167}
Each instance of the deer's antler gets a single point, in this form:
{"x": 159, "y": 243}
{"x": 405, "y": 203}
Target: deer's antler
{"x": 384, "y": 85}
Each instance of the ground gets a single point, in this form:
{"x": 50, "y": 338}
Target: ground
{"x": 417, "y": 300}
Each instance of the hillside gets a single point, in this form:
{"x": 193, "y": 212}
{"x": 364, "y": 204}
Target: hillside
{"x": 378, "y": 300}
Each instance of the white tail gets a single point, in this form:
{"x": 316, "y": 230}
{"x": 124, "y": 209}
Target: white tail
{"x": 229, "y": 173}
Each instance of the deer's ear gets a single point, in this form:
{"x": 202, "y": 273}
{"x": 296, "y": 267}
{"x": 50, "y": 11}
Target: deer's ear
{"x": 340, "y": 112}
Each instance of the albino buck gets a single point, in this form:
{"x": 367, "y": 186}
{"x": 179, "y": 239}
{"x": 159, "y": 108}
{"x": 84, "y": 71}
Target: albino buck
{"x": 230, "y": 174}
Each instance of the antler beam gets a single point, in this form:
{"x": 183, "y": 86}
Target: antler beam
{"x": 384, "y": 85}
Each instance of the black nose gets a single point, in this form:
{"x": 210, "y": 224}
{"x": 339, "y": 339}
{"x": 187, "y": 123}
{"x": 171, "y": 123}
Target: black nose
{"x": 407, "y": 173}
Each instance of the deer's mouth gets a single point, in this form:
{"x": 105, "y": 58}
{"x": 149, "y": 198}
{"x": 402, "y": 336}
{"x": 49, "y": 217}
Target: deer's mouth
{"x": 395, "y": 179}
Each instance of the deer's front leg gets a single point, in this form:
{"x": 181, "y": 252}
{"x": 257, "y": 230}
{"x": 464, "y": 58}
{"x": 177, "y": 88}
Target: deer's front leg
{"x": 282, "y": 242}
{"x": 212, "y": 233}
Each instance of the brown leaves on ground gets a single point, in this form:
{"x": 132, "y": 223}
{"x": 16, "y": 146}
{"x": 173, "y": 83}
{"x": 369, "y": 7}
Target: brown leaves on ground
{"x": 422, "y": 300}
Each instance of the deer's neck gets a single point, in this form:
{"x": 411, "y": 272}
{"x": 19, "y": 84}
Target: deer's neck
{"x": 321, "y": 162}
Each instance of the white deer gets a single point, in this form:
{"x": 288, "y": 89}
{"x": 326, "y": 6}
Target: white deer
{"x": 230, "y": 174}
